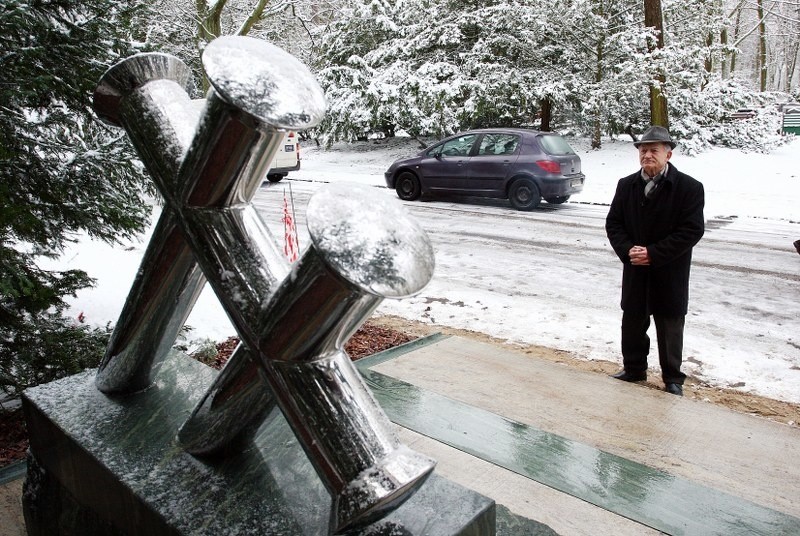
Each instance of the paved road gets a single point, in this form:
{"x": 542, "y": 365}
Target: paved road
{"x": 549, "y": 277}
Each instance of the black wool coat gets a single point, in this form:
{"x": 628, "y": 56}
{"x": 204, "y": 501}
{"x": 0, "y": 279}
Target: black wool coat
{"x": 669, "y": 224}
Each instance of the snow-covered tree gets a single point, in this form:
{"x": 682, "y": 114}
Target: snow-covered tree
{"x": 613, "y": 67}
{"x": 184, "y": 27}
{"x": 701, "y": 94}
{"x": 61, "y": 174}
{"x": 764, "y": 39}
{"x": 430, "y": 68}
{"x": 582, "y": 66}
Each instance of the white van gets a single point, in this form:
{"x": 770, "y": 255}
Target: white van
{"x": 286, "y": 159}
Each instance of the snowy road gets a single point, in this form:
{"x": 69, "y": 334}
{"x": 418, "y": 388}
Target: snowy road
{"x": 549, "y": 277}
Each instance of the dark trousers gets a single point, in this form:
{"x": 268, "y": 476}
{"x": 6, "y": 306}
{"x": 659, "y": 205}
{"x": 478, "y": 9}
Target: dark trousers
{"x": 636, "y": 345}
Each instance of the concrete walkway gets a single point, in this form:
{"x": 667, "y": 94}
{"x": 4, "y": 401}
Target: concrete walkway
{"x": 695, "y": 446}
{"x": 749, "y": 461}
{"x": 11, "y": 521}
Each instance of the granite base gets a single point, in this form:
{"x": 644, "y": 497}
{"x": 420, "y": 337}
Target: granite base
{"x": 111, "y": 465}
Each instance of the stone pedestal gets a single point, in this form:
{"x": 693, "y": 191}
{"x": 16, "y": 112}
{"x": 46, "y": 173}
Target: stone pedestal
{"x": 102, "y": 465}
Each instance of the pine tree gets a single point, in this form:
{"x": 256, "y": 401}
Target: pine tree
{"x": 585, "y": 67}
{"x": 62, "y": 174}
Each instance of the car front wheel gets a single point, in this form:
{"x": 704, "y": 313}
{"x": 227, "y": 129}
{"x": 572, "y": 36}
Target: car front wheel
{"x": 557, "y": 200}
{"x": 408, "y": 187}
{"x": 524, "y": 195}
{"x": 275, "y": 177}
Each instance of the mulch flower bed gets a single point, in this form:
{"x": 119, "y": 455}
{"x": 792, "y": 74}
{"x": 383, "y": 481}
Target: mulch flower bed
{"x": 366, "y": 341}
{"x": 13, "y": 436}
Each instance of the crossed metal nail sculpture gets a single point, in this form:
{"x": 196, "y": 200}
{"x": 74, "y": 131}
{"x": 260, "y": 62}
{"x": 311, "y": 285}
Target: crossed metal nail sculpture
{"x": 207, "y": 159}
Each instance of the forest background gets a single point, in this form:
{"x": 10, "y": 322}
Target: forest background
{"x": 422, "y": 68}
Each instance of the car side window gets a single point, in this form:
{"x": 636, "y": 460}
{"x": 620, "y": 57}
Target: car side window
{"x": 498, "y": 144}
{"x": 457, "y": 146}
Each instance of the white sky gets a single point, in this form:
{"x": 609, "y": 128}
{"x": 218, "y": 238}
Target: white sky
{"x": 762, "y": 191}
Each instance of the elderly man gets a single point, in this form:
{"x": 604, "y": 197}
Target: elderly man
{"x": 654, "y": 221}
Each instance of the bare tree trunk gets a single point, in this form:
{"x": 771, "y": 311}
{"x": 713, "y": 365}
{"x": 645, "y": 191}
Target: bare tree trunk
{"x": 723, "y": 39}
{"x": 788, "y": 31}
{"x": 600, "y": 55}
{"x": 209, "y": 23}
{"x": 709, "y": 62}
{"x": 597, "y": 131}
{"x": 658, "y": 101}
{"x": 736, "y": 38}
{"x": 717, "y": 9}
{"x": 255, "y": 16}
{"x": 546, "y": 112}
{"x": 762, "y": 46}
{"x": 209, "y": 28}
{"x": 792, "y": 63}
{"x": 794, "y": 54}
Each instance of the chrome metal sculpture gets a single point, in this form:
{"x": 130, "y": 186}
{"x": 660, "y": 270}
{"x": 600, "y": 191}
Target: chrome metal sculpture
{"x": 293, "y": 320}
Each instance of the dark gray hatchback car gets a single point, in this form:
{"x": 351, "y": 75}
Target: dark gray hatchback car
{"x": 521, "y": 165}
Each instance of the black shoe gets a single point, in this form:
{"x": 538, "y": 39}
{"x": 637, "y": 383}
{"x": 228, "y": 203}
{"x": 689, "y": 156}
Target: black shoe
{"x": 674, "y": 388}
{"x": 626, "y": 376}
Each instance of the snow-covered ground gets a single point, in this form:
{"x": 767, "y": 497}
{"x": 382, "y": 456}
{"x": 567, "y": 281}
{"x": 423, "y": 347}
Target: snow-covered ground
{"x": 764, "y": 189}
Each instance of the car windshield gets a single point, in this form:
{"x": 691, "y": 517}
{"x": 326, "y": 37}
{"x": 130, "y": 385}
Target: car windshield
{"x": 555, "y": 145}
